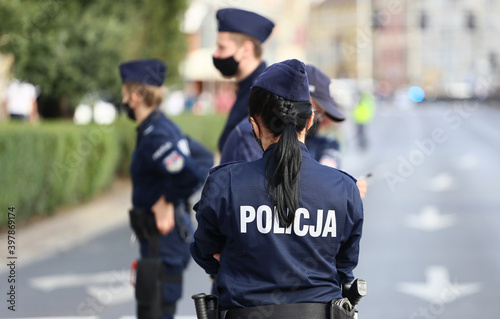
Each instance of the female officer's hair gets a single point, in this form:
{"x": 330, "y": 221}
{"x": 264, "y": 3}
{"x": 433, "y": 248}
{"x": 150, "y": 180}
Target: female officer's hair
{"x": 152, "y": 95}
{"x": 283, "y": 118}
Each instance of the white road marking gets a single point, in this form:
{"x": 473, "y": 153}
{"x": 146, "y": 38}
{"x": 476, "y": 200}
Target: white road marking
{"x": 438, "y": 288}
{"x": 442, "y": 182}
{"x": 112, "y": 295}
{"x": 429, "y": 219}
{"x": 175, "y": 317}
{"x": 123, "y": 317}
{"x": 466, "y": 162}
{"x": 111, "y": 278}
{"x": 55, "y": 318}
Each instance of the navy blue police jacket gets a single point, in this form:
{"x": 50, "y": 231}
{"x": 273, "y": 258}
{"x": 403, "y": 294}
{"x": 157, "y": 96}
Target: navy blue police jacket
{"x": 239, "y": 111}
{"x": 263, "y": 263}
{"x": 241, "y": 146}
{"x": 325, "y": 150}
{"x": 163, "y": 164}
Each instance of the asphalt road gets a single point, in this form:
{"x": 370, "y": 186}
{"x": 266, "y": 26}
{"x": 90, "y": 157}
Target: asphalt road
{"x": 430, "y": 242}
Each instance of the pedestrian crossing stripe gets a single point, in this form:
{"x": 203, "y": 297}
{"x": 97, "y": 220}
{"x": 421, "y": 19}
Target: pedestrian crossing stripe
{"x": 123, "y": 317}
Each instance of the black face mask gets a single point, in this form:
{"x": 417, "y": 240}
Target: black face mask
{"x": 130, "y": 112}
{"x": 315, "y": 126}
{"x": 227, "y": 66}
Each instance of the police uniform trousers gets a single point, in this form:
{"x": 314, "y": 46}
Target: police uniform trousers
{"x": 173, "y": 250}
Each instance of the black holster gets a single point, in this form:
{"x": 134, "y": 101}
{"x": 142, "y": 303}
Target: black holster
{"x": 143, "y": 224}
{"x": 149, "y": 272}
{"x": 341, "y": 309}
{"x": 148, "y": 288}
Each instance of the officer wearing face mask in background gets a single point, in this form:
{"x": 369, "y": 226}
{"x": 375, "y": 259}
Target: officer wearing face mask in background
{"x": 166, "y": 170}
{"x": 239, "y": 56}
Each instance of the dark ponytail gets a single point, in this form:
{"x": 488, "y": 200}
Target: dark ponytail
{"x": 283, "y": 118}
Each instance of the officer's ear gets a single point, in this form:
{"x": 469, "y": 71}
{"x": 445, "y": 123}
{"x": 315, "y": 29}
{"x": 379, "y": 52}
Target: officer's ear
{"x": 135, "y": 98}
{"x": 310, "y": 121}
{"x": 255, "y": 126}
{"x": 248, "y": 47}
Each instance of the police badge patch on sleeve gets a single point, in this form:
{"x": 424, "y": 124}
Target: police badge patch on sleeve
{"x": 174, "y": 162}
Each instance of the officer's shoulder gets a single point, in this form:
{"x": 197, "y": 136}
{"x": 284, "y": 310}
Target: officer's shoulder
{"x": 326, "y": 170}
{"x": 346, "y": 174}
{"x": 163, "y": 127}
{"x": 326, "y": 140}
{"x": 224, "y": 166}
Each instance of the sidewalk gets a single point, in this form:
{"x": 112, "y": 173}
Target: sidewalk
{"x": 73, "y": 226}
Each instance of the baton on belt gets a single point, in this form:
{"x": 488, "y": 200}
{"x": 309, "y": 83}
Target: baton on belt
{"x": 207, "y": 306}
{"x": 355, "y": 291}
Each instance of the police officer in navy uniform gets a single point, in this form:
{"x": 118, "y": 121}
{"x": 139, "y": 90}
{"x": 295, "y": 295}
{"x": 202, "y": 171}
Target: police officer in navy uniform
{"x": 326, "y": 150}
{"x": 241, "y": 146}
{"x": 164, "y": 175}
{"x": 283, "y": 230}
{"x": 239, "y": 56}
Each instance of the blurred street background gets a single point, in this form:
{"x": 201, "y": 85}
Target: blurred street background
{"x": 430, "y": 243}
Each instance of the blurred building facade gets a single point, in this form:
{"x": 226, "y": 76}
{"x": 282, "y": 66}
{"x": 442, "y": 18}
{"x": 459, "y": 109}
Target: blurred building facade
{"x": 453, "y": 46}
{"x": 332, "y": 38}
{"x": 448, "y": 47}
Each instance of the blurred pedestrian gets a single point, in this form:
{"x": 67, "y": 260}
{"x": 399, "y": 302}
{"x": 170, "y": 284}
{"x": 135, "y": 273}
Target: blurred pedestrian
{"x": 164, "y": 175}
{"x": 272, "y": 216}
{"x": 362, "y": 115}
{"x": 20, "y": 102}
{"x": 239, "y": 56}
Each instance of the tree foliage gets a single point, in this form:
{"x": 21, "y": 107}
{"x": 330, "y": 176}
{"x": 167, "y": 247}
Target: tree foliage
{"x": 72, "y": 47}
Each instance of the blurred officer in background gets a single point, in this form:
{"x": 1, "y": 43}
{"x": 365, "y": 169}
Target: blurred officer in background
{"x": 283, "y": 230}
{"x": 164, "y": 174}
{"x": 324, "y": 149}
{"x": 239, "y": 56}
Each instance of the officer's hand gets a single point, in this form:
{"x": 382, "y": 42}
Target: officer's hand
{"x": 217, "y": 256}
{"x": 363, "y": 187}
{"x": 164, "y": 216}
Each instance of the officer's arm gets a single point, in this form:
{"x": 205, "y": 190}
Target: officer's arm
{"x": 182, "y": 169}
{"x": 347, "y": 258}
{"x": 208, "y": 238}
{"x": 330, "y": 155}
{"x": 201, "y": 155}
{"x": 240, "y": 146}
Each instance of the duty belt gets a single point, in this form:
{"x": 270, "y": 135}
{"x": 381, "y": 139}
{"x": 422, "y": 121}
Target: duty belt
{"x": 330, "y": 310}
{"x": 289, "y": 311}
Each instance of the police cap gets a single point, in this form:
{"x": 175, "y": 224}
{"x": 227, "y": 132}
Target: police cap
{"x": 246, "y": 22}
{"x": 148, "y": 71}
{"x": 287, "y": 79}
{"x": 319, "y": 87}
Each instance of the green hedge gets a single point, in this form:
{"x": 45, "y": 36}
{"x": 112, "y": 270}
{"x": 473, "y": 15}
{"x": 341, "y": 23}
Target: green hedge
{"x": 56, "y": 163}
{"x": 51, "y": 164}
{"x": 205, "y": 129}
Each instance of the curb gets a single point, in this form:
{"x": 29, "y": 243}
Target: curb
{"x": 69, "y": 227}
